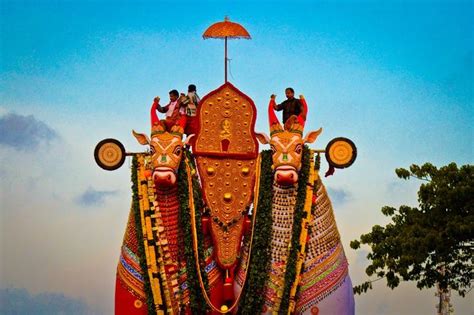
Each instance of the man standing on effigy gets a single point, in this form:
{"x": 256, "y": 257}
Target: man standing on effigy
{"x": 291, "y": 106}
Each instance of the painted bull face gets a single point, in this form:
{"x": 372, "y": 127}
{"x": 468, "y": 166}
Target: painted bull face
{"x": 287, "y": 146}
{"x": 166, "y": 151}
{"x": 287, "y": 150}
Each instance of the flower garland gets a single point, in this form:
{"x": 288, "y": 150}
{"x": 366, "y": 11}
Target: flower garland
{"x": 295, "y": 246}
{"x": 197, "y": 304}
{"x": 198, "y": 204}
{"x": 317, "y": 162}
{"x": 161, "y": 281}
{"x": 141, "y": 248}
{"x": 253, "y": 296}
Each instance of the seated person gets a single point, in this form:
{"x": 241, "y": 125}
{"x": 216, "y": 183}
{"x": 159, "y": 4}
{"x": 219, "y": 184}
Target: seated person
{"x": 171, "y": 109}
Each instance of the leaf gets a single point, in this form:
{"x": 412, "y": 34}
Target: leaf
{"x": 355, "y": 244}
{"x": 402, "y": 173}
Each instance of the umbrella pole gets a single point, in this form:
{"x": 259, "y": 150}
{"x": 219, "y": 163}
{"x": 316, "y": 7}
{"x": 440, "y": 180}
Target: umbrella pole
{"x": 225, "y": 60}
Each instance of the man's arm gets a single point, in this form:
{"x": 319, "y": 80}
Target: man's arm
{"x": 183, "y": 100}
{"x": 160, "y": 108}
{"x": 279, "y": 107}
{"x": 275, "y": 106}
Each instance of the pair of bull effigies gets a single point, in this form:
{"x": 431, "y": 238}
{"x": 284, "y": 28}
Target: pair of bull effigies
{"x": 229, "y": 229}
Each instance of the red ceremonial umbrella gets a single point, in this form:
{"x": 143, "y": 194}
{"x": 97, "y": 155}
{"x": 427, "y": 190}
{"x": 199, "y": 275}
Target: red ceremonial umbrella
{"x": 226, "y": 29}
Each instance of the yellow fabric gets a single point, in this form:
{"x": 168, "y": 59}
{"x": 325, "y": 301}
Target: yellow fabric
{"x": 304, "y": 232}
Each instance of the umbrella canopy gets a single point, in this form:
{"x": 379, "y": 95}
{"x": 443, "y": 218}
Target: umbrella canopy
{"x": 224, "y": 30}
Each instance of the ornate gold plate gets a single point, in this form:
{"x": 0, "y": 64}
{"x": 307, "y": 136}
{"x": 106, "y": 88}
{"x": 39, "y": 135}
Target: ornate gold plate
{"x": 341, "y": 152}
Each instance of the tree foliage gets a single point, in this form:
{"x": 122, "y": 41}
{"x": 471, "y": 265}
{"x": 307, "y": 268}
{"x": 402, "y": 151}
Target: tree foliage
{"x": 431, "y": 244}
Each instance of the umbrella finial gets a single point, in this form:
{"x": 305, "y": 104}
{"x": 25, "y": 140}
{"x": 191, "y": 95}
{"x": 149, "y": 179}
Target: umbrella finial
{"x": 226, "y": 18}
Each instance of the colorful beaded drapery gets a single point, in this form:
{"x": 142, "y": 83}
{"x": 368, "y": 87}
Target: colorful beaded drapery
{"x": 153, "y": 266}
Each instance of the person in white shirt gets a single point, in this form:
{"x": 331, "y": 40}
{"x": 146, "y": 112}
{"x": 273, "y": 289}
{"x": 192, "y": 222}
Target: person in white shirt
{"x": 171, "y": 109}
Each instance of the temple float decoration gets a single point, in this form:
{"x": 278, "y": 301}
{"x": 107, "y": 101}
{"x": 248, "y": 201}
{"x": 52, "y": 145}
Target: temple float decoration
{"x": 226, "y": 151}
{"x": 226, "y": 228}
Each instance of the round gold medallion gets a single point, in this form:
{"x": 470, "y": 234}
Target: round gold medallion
{"x": 227, "y": 197}
{"x": 211, "y": 171}
{"x": 109, "y": 154}
{"x": 341, "y": 152}
{"x": 224, "y": 308}
{"x": 138, "y": 304}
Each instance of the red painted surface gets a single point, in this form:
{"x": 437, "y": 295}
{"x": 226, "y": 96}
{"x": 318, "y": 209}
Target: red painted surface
{"x": 126, "y": 303}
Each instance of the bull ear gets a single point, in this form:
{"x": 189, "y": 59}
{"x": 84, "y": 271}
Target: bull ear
{"x": 312, "y": 135}
{"x": 262, "y": 138}
{"x": 189, "y": 139}
{"x": 142, "y": 138}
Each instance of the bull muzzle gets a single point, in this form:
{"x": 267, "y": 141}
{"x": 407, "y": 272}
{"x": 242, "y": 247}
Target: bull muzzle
{"x": 286, "y": 176}
{"x": 164, "y": 177}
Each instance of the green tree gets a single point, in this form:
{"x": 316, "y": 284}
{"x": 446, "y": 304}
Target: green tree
{"x": 432, "y": 244}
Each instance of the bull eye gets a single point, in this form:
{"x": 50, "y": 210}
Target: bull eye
{"x": 177, "y": 150}
{"x": 272, "y": 147}
{"x": 299, "y": 148}
{"x": 152, "y": 149}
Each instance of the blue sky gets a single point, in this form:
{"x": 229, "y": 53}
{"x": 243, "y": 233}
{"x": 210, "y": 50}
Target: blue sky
{"x": 395, "y": 76}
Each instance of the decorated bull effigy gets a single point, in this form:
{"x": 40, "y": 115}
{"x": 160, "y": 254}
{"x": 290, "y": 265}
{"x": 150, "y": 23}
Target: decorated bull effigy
{"x": 218, "y": 226}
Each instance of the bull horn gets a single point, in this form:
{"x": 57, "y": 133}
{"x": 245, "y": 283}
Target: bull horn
{"x": 154, "y": 117}
{"x": 156, "y": 124}
{"x": 302, "y": 115}
{"x": 272, "y": 118}
{"x": 179, "y": 125}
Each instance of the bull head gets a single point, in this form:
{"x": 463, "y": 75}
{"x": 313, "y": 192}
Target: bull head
{"x": 286, "y": 143}
{"x": 166, "y": 149}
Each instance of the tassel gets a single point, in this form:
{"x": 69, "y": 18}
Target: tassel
{"x": 330, "y": 171}
{"x": 228, "y": 289}
{"x": 247, "y": 225}
{"x": 205, "y": 224}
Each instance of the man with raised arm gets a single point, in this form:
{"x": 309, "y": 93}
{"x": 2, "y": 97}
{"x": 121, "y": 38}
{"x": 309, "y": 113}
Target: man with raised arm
{"x": 171, "y": 110}
{"x": 291, "y": 106}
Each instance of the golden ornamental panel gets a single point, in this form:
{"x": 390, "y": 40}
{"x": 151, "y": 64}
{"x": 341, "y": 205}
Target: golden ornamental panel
{"x": 228, "y": 190}
{"x": 227, "y": 119}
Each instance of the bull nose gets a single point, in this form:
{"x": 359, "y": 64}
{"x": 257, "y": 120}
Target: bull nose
{"x": 164, "y": 179}
{"x": 280, "y": 177}
{"x": 286, "y": 177}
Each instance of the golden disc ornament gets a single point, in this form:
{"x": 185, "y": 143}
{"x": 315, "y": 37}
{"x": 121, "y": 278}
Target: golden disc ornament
{"x": 341, "y": 152}
{"x": 109, "y": 154}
